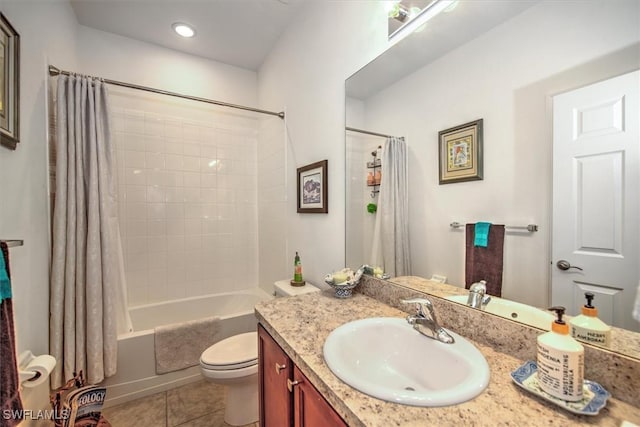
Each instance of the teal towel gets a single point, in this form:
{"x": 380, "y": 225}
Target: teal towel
{"x": 481, "y": 234}
{"x": 5, "y": 284}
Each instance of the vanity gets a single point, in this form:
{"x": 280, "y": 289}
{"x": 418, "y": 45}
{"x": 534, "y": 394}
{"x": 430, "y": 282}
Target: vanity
{"x": 299, "y": 326}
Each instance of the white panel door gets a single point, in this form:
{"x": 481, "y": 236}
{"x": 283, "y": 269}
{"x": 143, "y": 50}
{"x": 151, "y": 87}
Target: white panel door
{"x": 596, "y": 192}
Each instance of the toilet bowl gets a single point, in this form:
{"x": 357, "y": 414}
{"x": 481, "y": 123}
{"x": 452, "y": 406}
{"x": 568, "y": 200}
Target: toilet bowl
{"x": 233, "y": 363}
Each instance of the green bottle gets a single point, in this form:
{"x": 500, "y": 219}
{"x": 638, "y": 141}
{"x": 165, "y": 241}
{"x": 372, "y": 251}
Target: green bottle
{"x": 297, "y": 269}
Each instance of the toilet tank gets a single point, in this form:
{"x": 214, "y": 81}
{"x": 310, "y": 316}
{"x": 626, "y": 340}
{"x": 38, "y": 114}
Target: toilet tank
{"x": 283, "y": 288}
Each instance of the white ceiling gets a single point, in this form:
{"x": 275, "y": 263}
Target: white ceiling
{"x": 236, "y": 32}
{"x": 440, "y": 35}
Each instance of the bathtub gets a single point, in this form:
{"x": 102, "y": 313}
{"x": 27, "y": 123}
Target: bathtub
{"x": 136, "y": 375}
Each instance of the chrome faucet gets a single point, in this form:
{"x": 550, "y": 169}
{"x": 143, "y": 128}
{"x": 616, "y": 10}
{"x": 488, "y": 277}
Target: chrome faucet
{"x": 477, "y": 297}
{"x": 425, "y": 322}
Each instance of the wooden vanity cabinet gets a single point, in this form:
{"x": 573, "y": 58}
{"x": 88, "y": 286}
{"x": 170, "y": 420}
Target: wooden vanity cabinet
{"x": 287, "y": 398}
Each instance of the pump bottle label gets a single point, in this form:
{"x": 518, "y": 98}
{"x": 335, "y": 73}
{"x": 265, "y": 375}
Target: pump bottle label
{"x": 560, "y": 373}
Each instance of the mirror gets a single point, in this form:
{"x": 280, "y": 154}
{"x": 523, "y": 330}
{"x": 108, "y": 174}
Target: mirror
{"x": 497, "y": 61}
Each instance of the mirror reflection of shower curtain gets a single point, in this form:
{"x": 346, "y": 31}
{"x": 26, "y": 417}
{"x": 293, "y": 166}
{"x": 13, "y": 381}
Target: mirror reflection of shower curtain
{"x": 88, "y": 297}
{"x": 390, "y": 247}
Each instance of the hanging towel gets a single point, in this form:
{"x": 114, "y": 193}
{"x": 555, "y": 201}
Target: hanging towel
{"x": 10, "y": 400}
{"x": 481, "y": 238}
{"x": 485, "y": 263}
{"x": 5, "y": 283}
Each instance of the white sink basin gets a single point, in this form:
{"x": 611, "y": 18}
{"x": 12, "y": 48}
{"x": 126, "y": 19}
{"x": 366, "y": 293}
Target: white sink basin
{"x": 386, "y": 358}
{"x": 513, "y": 310}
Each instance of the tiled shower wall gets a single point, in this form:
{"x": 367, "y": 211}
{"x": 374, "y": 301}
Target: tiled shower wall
{"x": 360, "y": 223}
{"x": 187, "y": 188}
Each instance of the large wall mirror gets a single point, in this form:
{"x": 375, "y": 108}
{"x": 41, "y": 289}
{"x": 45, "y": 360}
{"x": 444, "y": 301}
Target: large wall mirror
{"x": 502, "y": 62}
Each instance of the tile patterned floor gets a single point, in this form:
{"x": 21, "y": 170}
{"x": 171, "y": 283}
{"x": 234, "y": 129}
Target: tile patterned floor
{"x": 200, "y": 404}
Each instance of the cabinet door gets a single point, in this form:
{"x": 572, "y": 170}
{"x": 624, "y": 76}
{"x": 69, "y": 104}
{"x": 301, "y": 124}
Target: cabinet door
{"x": 310, "y": 408}
{"x": 274, "y": 370}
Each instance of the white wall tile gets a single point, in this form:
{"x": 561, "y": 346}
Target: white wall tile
{"x": 191, "y": 179}
{"x": 191, "y": 149}
{"x": 174, "y": 162}
{"x": 156, "y": 194}
{"x": 135, "y": 193}
{"x": 175, "y": 211}
{"x": 208, "y": 180}
{"x": 156, "y": 210}
{"x": 193, "y": 210}
{"x": 155, "y": 160}
{"x": 191, "y": 163}
{"x": 154, "y": 144}
{"x": 186, "y": 190}
{"x": 156, "y": 177}
{"x": 155, "y": 227}
{"x": 191, "y": 195}
{"x": 134, "y": 159}
{"x": 135, "y": 176}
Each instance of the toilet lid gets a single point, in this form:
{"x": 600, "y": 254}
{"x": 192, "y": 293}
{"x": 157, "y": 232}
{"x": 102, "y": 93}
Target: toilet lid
{"x": 238, "y": 351}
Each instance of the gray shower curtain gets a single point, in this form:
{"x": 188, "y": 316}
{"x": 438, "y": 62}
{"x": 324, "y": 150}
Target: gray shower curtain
{"x": 390, "y": 247}
{"x": 87, "y": 290}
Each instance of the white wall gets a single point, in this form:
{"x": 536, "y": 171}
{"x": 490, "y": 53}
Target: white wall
{"x": 305, "y": 73}
{"x": 48, "y": 35}
{"x": 120, "y": 58}
{"x": 507, "y": 77}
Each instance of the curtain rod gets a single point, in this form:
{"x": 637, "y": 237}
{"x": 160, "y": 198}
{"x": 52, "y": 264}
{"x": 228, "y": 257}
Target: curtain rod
{"x": 371, "y": 133}
{"x": 54, "y": 71}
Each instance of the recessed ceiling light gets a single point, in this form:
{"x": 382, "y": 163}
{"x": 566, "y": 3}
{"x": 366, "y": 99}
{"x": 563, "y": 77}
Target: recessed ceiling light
{"x": 183, "y": 29}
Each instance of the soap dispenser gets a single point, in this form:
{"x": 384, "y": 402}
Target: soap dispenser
{"x": 297, "y": 272}
{"x": 560, "y": 361}
{"x": 587, "y": 327}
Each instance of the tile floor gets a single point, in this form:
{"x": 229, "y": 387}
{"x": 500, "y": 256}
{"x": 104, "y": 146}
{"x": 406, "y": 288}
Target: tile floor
{"x": 199, "y": 404}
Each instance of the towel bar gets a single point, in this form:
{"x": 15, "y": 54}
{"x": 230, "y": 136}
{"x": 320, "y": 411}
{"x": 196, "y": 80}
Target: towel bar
{"x": 12, "y": 242}
{"x": 530, "y": 228}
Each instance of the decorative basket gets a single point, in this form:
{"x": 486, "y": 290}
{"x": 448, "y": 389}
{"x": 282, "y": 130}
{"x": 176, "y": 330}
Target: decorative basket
{"x": 344, "y": 289}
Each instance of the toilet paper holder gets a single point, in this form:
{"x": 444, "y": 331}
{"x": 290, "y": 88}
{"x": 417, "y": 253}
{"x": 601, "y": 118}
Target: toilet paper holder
{"x": 26, "y": 375}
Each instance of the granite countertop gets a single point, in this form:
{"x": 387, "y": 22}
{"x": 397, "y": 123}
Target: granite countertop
{"x": 301, "y": 325}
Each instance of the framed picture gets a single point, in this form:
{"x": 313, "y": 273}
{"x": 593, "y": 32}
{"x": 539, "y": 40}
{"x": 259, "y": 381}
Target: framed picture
{"x": 461, "y": 153}
{"x": 9, "y": 84}
{"x": 313, "y": 188}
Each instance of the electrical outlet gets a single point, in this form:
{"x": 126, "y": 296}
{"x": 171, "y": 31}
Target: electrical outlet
{"x": 438, "y": 278}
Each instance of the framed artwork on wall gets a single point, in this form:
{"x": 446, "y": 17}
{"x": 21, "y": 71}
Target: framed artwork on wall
{"x": 460, "y": 150}
{"x": 9, "y": 84}
{"x": 313, "y": 188}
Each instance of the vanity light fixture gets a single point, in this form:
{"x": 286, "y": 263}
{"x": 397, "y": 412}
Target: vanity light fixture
{"x": 184, "y": 30}
{"x": 420, "y": 19}
{"x": 400, "y": 12}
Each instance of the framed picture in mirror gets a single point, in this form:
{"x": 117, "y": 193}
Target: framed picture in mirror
{"x": 313, "y": 188}
{"x": 9, "y": 84}
{"x": 461, "y": 153}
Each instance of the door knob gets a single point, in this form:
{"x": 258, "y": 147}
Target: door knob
{"x": 565, "y": 265}
{"x": 279, "y": 368}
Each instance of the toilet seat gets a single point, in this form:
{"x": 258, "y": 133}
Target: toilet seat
{"x": 236, "y": 352}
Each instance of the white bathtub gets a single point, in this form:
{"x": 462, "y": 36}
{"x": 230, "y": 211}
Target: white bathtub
{"x": 136, "y": 376}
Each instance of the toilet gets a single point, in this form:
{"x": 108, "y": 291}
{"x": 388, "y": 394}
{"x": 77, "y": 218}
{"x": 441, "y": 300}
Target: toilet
{"x": 233, "y": 363}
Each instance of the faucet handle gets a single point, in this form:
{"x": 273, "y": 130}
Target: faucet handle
{"x": 424, "y": 308}
{"x": 478, "y": 286}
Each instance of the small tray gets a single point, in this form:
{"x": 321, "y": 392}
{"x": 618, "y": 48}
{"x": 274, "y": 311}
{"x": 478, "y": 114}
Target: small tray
{"x": 594, "y": 395}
